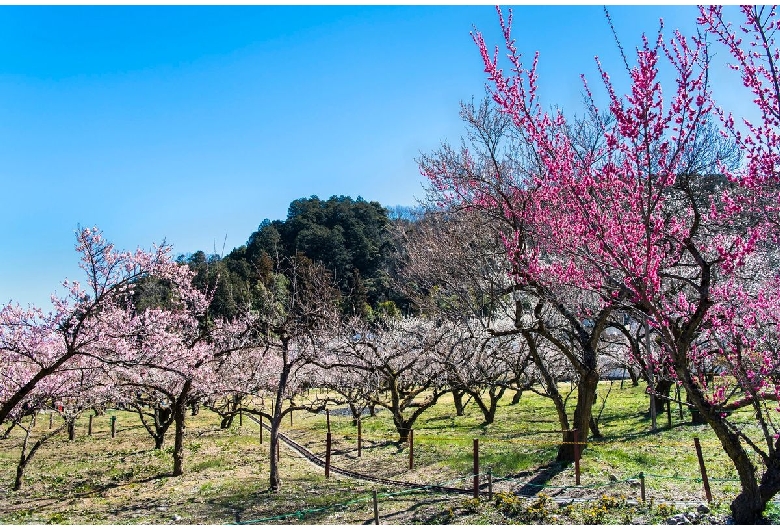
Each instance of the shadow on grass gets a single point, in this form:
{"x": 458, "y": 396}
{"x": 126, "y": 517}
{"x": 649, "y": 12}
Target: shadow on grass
{"x": 102, "y": 488}
{"x": 538, "y": 478}
{"x": 432, "y": 519}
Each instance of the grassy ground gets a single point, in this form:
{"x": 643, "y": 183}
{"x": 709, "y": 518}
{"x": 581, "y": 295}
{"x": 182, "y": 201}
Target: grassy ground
{"x": 97, "y": 479}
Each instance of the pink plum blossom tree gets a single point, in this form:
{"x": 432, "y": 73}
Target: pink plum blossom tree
{"x": 631, "y": 223}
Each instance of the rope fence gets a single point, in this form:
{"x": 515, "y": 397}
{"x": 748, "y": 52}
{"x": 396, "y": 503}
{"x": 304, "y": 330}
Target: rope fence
{"x": 302, "y": 514}
{"x": 479, "y": 478}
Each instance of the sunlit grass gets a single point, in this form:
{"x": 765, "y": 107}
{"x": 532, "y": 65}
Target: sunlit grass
{"x": 98, "y": 479}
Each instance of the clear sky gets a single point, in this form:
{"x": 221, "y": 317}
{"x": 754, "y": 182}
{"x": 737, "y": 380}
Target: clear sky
{"x": 193, "y": 124}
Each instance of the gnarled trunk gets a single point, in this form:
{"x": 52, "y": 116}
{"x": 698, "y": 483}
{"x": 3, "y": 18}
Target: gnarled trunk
{"x": 489, "y": 408}
{"x": 586, "y": 397}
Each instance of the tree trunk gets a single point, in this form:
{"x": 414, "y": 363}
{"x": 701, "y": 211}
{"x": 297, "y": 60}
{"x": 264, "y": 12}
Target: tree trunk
{"x": 274, "y": 483}
{"x": 749, "y": 505}
{"x": 179, "y": 417}
{"x": 19, "y": 475}
{"x": 355, "y": 413}
{"x": 22, "y": 463}
{"x": 457, "y": 398}
{"x": 25, "y": 456}
{"x": 488, "y": 409}
{"x": 273, "y": 479}
{"x": 162, "y": 420}
{"x": 227, "y": 420}
{"x": 586, "y": 397}
{"x": 594, "y": 428}
{"x": 634, "y": 377}
{"x": 662, "y": 388}
{"x": 517, "y": 396}
{"x": 696, "y": 416}
{"x": 403, "y": 434}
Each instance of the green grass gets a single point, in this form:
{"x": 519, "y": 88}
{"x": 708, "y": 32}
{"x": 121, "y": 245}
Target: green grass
{"x": 98, "y": 480}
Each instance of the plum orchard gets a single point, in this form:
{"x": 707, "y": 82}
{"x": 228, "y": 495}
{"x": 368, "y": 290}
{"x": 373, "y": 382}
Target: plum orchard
{"x": 638, "y": 228}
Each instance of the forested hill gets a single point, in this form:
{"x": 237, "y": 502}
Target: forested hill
{"x": 352, "y": 239}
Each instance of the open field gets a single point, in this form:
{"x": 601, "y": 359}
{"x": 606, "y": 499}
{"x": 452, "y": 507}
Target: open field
{"x": 98, "y": 480}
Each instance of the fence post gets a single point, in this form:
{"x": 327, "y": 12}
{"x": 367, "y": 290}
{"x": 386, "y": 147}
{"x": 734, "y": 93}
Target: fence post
{"x": 576, "y": 457}
{"x": 411, "y": 448}
{"x": 360, "y": 437}
{"x": 476, "y": 468}
{"x": 376, "y": 507}
{"x": 113, "y": 426}
{"x": 89, "y": 426}
{"x": 704, "y": 479}
{"x": 642, "y": 485}
{"x": 327, "y": 454}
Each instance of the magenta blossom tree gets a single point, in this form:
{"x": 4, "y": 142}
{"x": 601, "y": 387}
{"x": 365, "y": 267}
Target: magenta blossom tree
{"x": 639, "y": 221}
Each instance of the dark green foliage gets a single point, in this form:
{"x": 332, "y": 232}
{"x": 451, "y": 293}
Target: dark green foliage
{"x": 350, "y": 238}
{"x": 345, "y": 235}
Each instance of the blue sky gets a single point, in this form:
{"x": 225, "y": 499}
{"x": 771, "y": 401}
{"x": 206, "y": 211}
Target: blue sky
{"x": 193, "y": 124}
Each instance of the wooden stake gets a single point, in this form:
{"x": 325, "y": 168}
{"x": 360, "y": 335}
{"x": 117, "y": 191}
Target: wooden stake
{"x": 240, "y": 418}
{"x": 476, "y": 468}
{"x": 360, "y": 437}
{"x": 704, "y": 479}
{"x": 113, "y": 426}
{"x": 411, "y": 448}
{"x": 376, "y": 507}
{"x": 642, "y": 485}
{"x": 669, "y": 414}
{"x": 51, "y": 420}
{"x": 490, "y": 484}
{"x": 89, "y": 426}
{"x": 327, "y": 454}
{"x": 291, "y": 415}
{"x": 576, "y": 457}
{"x": 261, "y": 430}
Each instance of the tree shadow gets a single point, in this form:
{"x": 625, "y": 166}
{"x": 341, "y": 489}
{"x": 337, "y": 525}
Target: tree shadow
{"x": 432, "y": 519}
{"x": 538, "y": 478}
{"x": 102, "y": 488}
